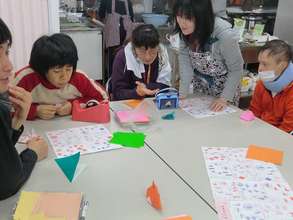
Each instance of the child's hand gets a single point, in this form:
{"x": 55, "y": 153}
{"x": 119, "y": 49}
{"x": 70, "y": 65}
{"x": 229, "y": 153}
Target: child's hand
{"x": 142, "y": 90}
{"x": 21, "y": 101}
{"x": 46, "y": 111}
{"x": 39, "y": 146}
{"x": 65, "y": 109}
{"x": 219, "y": 105}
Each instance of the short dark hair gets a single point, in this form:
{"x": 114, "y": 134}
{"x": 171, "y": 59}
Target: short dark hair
{"x": 278, "y": 49}
{"x": 5, "y": 34}
{"x": 51, "y": 51}
{"x": 202, "y": 12}
{"x": 145, "y": 35}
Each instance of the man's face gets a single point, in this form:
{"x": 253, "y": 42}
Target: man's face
{"x": 5, "y": 67}
{"x": 268, "y": 62}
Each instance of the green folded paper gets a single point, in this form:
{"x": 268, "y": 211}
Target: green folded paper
{"x": 128, "y": 139}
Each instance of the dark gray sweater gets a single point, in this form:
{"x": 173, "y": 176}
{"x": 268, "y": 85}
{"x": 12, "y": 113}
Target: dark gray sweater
{"x": 15, "y": 169}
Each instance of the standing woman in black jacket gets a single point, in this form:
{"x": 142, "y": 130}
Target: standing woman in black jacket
{"x": 15, "y": 168}
{"x": 117, "y": 16}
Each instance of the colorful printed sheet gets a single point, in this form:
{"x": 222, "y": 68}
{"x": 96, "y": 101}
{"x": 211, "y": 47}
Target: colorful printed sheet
{"x": 86, "y": 140}
{"x": 247, "y": 189}
{"x": 199, "y": 107}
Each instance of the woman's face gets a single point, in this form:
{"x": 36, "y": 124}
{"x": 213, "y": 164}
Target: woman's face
{"x": 186, "y": 25}
{"x": 147, "y": 56}
{"x": 5, "y": 67}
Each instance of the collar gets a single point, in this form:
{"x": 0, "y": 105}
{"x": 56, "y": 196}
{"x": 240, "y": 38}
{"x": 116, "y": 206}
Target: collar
{"x": 132, "y": 63}
{"x": 283, "y": 83}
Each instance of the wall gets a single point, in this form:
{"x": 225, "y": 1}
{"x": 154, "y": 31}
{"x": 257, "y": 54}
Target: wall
{"x": 27, "y": 20}
{"x": 284, "y": 21}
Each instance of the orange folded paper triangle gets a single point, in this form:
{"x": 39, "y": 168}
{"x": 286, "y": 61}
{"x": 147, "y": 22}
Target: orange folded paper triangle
{"x": 180, "y": 217}
{"x": 153, "y": 196}
{"x": 133, "y": 103}
{"x": 265, "y": 154}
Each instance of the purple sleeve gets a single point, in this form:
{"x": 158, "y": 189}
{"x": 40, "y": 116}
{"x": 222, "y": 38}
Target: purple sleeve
{"x": 123, "y": 81}
{"x": 156, "y": 85}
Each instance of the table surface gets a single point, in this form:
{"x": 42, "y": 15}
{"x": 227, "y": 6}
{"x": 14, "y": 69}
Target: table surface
{"x": 179, "y": 143}
{"x": 114, "y": 182}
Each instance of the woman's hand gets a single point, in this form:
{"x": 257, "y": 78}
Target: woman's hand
{"x": 21, "y": 101}
{"x": 142, "y": 90}
{"x": 46, "y": 111}
{"x": 219, "y": 105}
{"x": 64, "y": 109}
{"x": 39, "y": 146}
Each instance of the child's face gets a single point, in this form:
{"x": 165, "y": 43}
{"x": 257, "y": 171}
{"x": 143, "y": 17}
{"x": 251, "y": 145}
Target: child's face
{"x": 5, "y": 67}
{"x": 59, "y": 76}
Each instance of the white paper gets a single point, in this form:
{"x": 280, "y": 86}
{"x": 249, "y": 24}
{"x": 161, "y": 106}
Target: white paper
{"x": 247, "y": 189}
{"x": 86, "y": 140}
{"x": 199, "y": 107}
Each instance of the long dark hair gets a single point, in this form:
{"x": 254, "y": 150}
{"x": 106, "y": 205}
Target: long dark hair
{"x": 202, "y": 12}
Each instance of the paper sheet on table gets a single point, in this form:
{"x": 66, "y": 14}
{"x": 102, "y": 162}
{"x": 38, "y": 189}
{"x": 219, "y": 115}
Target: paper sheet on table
{"x": 180, "y": 217}
{"x": 86, "y": 140}
{"x": 265, "y": 154}
{"x": 199, "y": 107}
{"x": 128, "y": 139}
{"x": 48, "y": 206}
{"x": 133, "y": 103}
{"x": 238, "y": 184}
{"x": 132, "y": 117}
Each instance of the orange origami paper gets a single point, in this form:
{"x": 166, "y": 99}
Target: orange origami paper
{"x": 153, "y": 196}
{"x": 265, "y": 154}
{"x": 180, "y": 217}
{"x": 133, "y": 103}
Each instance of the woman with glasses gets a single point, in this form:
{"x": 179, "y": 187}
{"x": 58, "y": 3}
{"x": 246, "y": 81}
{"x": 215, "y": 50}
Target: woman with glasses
{"x": 142, "y": 67}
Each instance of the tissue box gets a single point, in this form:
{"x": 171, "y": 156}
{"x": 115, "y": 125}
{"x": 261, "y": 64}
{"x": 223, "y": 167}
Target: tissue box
{"x": 99, "y": 113}
{"x": 167, "y": 99}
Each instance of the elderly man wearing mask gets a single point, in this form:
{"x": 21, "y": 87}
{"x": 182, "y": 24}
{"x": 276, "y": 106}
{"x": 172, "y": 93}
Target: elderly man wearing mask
{"x": 273, "y": 96}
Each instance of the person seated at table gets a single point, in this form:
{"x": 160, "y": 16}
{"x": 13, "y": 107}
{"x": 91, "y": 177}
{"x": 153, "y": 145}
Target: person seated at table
{"x": 15, "y": 168}
{"x": 272, "y": 100}
{"x": 53, "y": 80}
{"x": 142, "y": 67}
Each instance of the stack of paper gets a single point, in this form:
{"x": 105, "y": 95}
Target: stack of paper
{"x": 48, "y": 206}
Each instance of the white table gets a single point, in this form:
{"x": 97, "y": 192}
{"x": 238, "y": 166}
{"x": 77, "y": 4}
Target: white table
{"x": 179, "y": 143}
{"x": 114, "y": 182}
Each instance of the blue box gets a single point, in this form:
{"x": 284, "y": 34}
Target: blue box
{"x": 167, "y": 98}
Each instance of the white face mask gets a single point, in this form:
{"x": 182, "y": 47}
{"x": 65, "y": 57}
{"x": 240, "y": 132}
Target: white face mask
{"x": 267, "y": 76}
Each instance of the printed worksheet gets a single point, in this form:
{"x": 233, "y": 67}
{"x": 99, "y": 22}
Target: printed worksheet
{"x": 199, "y": 107}
{"x": 86, "y": 140}
{"x": 247, "y": 189}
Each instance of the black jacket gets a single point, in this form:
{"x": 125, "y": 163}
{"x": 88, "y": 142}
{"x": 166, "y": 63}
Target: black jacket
{"x": 106, "y": 8}
{"x": 15, "y": 169}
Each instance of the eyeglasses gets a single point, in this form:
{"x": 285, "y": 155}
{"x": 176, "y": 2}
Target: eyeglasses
{"x": 149, "y": 51}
